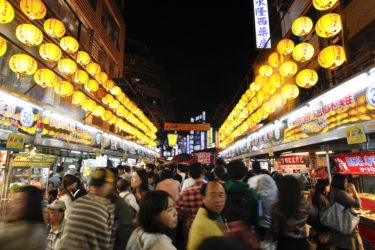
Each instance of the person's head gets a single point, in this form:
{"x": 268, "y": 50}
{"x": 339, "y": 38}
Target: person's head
{"x": 289, "y": 196}
{"x": 236, "y": 170}
{"x": 69, "y": 182}
{"x": 339, "y": 181}
{"x": 166, "y": 174}
{"x": 59, "y": 169}
{"x": 122, "y": 185}
{"x": 256, "y": 167}
{"x": 157, "y": 212}
{"x": 52, "y": 195}
{"x": 222, "y": 243}
{"x": 127, "y": 169}
{"x": 178, "y": 178}
{"x": 55, "y": 213}
{"x": 151, "y": 178}
{"x": 220, "y": 173}
{"x": 139, "y": 180}
{"x": 220, "y": 162}
{"x": 181, "y": 168}
{"x": 195, "y": 170}
{"x": 150, "y": 167}
{"x": 213, "y": 196}
{"x": 322, "y": 187}
{"x": 101, "y": 182}
{"x": 26, "y": 205}
{"x": 120, "y": 169}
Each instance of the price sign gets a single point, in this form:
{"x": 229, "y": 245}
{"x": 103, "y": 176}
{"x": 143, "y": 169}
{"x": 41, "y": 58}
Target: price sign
{"x": 26, "y": 118}
{"x": 370, "y": 95}
{"x": 15, "y": 141}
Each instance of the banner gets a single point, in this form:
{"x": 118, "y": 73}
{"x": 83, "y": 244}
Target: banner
{"x": 187, "y": 126}
{"x": 38, "y": 160}
{"x": 295, "y": 163}
{"x": 361, "y": 163}
{"x": 204, "y": 158}
{"x": 172, "y": 139}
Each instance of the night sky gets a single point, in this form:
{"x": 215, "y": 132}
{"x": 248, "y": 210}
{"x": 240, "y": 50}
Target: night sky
{"x": 206, "y": 47}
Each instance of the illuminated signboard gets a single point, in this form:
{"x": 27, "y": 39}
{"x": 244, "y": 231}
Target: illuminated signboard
{"x": 262, "y": 24}
{"x": 361, "y": 163}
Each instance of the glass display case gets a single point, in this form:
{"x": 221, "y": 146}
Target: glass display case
{"x": 37, "y": 176}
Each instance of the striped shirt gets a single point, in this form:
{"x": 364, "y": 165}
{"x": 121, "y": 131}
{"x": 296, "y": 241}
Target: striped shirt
{"x": 90, "y": 225}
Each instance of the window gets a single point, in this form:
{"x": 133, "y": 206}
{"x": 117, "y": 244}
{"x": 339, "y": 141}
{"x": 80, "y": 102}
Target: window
{"x": 111, "y": 26}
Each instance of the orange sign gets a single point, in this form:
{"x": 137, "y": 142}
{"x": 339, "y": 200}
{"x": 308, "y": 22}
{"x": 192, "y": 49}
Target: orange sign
{"x": 187, "y": 126}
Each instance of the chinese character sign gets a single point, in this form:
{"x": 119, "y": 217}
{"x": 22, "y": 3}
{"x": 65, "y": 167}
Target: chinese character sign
{"x": 262, "y": 26}
{"x": 361, "y": 163}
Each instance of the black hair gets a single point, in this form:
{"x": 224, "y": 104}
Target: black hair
{"x": 53, "y": 192}
{"x": 338, "y": 181}
{"x": 220, "y": 162}
{"x": 256, "y": 167}
{"x": 68, "y": 180}
{"x": 178, "y": 178}
{"x": 127, "y": 168}
{"x": 319, "y": 190}
{"x": 289, "y": 196}
{"x": 150, "y": 175}
{"x": 120, "y": 167}
{"x": 236, "y": 170}
{"x": 265, "y": 171}
{"x": 143, "y": 176}
{"x": 150, "y": 166}
{"x": 59, "y": 169}
{"x": 182, "y": 168}
{"x": 195, "y": 170}
{"x": 166, "y": 174}
{"x": 33, "y": 211}
{"x": 153, "y": 203}
{"x": 222, "y": 243}
{"x": 122, "y": 184}
{"x": 220, "y": 172}
{"x": 203, "y": 189}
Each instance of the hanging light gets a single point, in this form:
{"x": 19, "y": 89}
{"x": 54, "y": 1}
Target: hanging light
{"x": 109, "y": 84}
{"x": 69, "y": 44}
{"x": 107, "y": 115}
{"x": 93, "y": 68}
{"x": 265, "y": 70}
{"x": 285, "y": 47}
{"x": 278, "y": 100}
{"x": 92, "y": 85}
{"x": 269, "y": 88}
{"x": 275, "y": 59}
{"x": 307, "y": 78}
{"x": 78, "y": 98}
{"x": 324, "y": 4}
{"x": 80, "y": 77}
{"x": 289, "y": 91}
{"x": 98, "y": 111}
{"x": 255, "y": 87}
{"x": 29, "y": 34}
{"x": 275, "y": 80}
{"x": 63, "y": 88}
{"x": 3, "y": 46}
{"x": 262, "y": 96}
{"x": 303, "y": 52}
{"x": 54, "y": 27}
{"x": 288, "y": 69}
{"x": 101, "y": 77}
{"x": 50, "y": 52}
{"x": 114, "y": 104}
{"x": 302, "y": 26}
{"x": 332, "y": 57}
{"x": 34, "y": 9}
{"x": 45, "y": 78}
{"x": 6, "y": 12}
{"x": 107, "y": 99}
{"x": 113, "y": 120}
{"x": 83, "y": 58}
{"x": 67, "y": 66}
{"x": 269, "y": 107}
{"x": 23, "y": 64}
{"x": 115, "y": 90}
{"x": 88, "y": 105}
{"x": 328, "y": 25}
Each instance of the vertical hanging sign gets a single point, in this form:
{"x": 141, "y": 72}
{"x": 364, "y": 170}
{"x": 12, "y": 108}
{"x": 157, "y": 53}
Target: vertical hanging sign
{"x": 262, "y": 26}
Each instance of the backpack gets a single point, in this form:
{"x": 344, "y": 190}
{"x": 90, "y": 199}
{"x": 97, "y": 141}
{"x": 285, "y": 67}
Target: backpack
{"x": 238, "y": 207}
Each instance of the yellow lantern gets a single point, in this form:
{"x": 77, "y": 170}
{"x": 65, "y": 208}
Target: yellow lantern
{"x": 269, "y": 88}
{"x": 45, "y": 78}
{"x": 34, "y": 9}
{"x": 303, "y": 52}
{"x": 50, "y": 52}
{"x": 285, "y": 47}
{"x": 324, "y": 4}
{"x": 92, "y": 85}
{"x": 3, "y": 46}
{"x": 254, "y": 102}
{"x": 114, "y": 104}
{"x": 278, "y": 100}
{"x": 255, "y": 87}
{"x": 260, "y": 79}
{"x": 78, "y": 98}
{"x": 93, "y": 68}
{"x": 275, "y": 59}
{"x": 63, "y": 88}
{"x": 69, "y": 44}
{"x": 289, "y": 91}
{"x": 255, "y": 118}
{"x": 275, "y": 80}
{"x": 83, "y": 58}
{"x": 29, "y": 34}
{"x": 332, "y": 57}
{"x": 328, "y": 25}
{"x": 306, "y": 78}
{"x": 80, "y": 77}
{"x": 88, "y": 105}
{"x": 288, "y": 69}
{"x": 67, "y": 66}
{"x": 265, "y": 70}
{"x": 98, "y": 111}
{"x": 107, "y": 99}
{"x": 107, "y": 115}
{"x": 269, "y": 107}
{"x": 302, "y": 26}
{"x": 109, "y": 84}
{"x": 101, "y": 77}
{"x": 115, "y": 90}
{"x": 6, "y": 12}
{"x": 23, "y": 64}
{"x": 54, "y": 27}
{"x": 262, "y": 96}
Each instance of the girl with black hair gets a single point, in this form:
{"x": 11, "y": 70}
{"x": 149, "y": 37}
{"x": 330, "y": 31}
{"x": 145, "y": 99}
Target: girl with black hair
{"x": 157, "y": 216}
{"x": 69, "y": 184}
{"x": 139, "y": 184}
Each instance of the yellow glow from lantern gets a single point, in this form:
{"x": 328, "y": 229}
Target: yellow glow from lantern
{"x": 101, "y": 77}
{"x": 285, "y": 47}
{"x": 328, "y": 25}
{"x": 303, "y": 52}
{"x": 115, "y": 90}
{"x": 93, "y": 68}
{"x": 78, "y": 98}
{"x": 275, "y": 59}
{"x": 289, "y": 91}
{"x": 302, "y": 26}
{"x": 29, "y": 34}
{"x": 67, "y": 66}
{"x": 69, "y": 44}
{"x": 332, "y": 57}
{"x": 265, "y": 70}
{"x": 34, "y": 9}
{"x": 307, "y": 78}
{"x": 54, "y": 27}
{"x": 3, "y": 46}
{"x": 50, "y": 52}
{"x": 324, "y": 4}
{"x": 288, "y": 69}
{"x": 81, "y": 77}
{"x": 23, "y": 64}
{"x": 45, "y": 78}
{"x": 83, "y": 58}
{"x": 6, "y": 12}
{"x": 92, "y": 85}
{"x": 88, "y": 105}
{"x": 63, "y": 88}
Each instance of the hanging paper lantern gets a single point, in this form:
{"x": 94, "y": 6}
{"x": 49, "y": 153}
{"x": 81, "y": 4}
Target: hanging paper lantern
{"x": 63, "y": 88}
{"x": 255, "y": 87}
{"x": 275, "y": 59}
{"x": 29, "y": 34}
{"x": 83, "y": 58}
{"x": 269, "y": 88}
{"x": 88, "y": 105}
{"x": 69, "y": 44}
{"x": 107, "y": 115}
{"x": 255, "y": 118}
{"x": 269, "y": 107}
{"x": 78, "y": 98}
{"x": 278, "y": 100}
{"x": 93, "y": 68}
{"x": 67, "y": 66}
{"x": 328, "y": 25}
{"x": 262, "y": 96}
{"x": 115, "y": 90}
{"x": 302, "y": 26}
{"x": 324, "y": 4}
{"x": 23, "y": 64}
{"x": 107, "y": 99}
{"x": 6, "y": 12}
{"x": 50, "y": 52}
{"x": 98, "y": 111}
{"x": 288, "y": 69}
{"x": 34, "y": 9}
{"x": 306, "y": 78}
{"x": 265, "y": 70}
{"x": 114, "y": 104}
{"x": 260, "y": 79}
{"x": 303, "y": 52}
{"x": 3, "y": 46}
{"x": 275, "y": 80}
{"x": 113, "y": 120}
{"x": 80, "y": 77}
{"x": 109, "y": 84}
{"x": 45, "y": 78}
{"x": 101, "y": 77}
{"x": 289, "y": 91}
{"x": 92, "y": 85}
{"x": 332, "y": 57}
{"x": 54, "y": 27}
{"x": 285, "y": 47}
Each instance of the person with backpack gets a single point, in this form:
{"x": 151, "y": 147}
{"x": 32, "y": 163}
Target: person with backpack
{"x": 123, "y": 189}
{"x": 242, "y": 201}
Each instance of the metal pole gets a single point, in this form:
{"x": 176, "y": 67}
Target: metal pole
{"x": 328, "y": 165}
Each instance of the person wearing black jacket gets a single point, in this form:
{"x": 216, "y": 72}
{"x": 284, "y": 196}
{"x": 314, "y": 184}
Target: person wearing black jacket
{"x": 320, "y": 202}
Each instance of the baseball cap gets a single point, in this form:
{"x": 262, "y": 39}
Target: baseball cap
{"x": 100, "y": 176}
{"x": 57, "y": 205}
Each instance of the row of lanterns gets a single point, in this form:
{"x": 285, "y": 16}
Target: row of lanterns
{"x": 24, "y": 64}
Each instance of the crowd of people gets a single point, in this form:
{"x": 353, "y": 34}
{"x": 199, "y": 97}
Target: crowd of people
{"x": 193, "y": 207}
